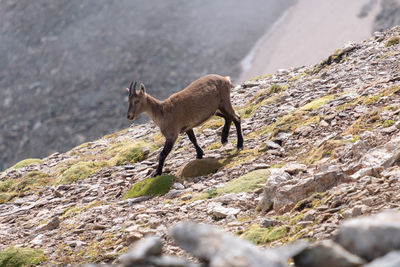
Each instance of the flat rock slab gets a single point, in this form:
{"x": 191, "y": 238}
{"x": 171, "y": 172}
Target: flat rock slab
{"x": 371, "y": 237}
{"x": 199, "y": 167}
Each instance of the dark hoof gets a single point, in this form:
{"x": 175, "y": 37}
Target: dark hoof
{"x": 224, "y": 141}
{"x": 156, "y": 173}
{"x": 200, "y": 156}
{"x": 240, "y": 147}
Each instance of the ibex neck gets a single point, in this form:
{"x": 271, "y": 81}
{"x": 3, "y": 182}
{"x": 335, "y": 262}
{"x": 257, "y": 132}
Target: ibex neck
{"x": 154, "y": 109}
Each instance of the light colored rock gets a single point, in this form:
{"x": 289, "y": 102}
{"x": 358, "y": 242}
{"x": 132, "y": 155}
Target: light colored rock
{"x": 219, "y": 249}
{"x": 328, "y": 254}
{"x": 286, "y": 196}
{"x": 371, "y": 237}
{"x": 141, "y": 250}
{"x": 392, "y": 259}
{"x": 294, "y": 168}
{"x": 383, "y": 156}
{"x": 220, "y": 212}
{"x": 268, "y": 222}
{"x": 276, "y": 177}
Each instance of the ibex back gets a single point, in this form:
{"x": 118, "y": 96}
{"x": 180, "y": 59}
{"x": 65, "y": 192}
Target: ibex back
{"x": 187, "y": 109}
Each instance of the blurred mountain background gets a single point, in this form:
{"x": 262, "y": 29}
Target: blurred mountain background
{"x": 64, "y": 64}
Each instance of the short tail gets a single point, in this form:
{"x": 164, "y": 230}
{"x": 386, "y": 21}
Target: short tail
{"x": 230, "y": 81}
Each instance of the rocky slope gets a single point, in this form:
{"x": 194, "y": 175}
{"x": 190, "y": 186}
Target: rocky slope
{"x": 63, "y": 64}
{"x": 321, "y": 146}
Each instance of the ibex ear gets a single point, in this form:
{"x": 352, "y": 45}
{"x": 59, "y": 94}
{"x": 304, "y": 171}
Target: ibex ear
{"x": 142, "y": 88}
{"x": 127, "y": 89}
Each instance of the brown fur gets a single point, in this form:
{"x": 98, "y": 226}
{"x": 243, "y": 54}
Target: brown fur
{"x": 186, "y": 109}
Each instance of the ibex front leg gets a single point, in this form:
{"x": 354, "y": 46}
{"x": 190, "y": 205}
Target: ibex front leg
{"x": 169, "y": 143}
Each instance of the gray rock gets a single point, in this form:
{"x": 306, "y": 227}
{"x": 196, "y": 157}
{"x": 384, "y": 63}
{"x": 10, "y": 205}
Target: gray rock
{"x": 53, "y": 223}
{"x": 383, "y": 156}
{"x": 392, "y": 259}
{"x": 294, "y": 168}
{"x": 276, "y": 178}
{"x": 371, "y": 237}
{"x": 328, "y": 254}
{"x": 217, "y": 248}
{"x": 141, "y": 250}
{"x": 268, "y": 222}
{"x": 220, "y": 212}
{"x": 284, "y": 197}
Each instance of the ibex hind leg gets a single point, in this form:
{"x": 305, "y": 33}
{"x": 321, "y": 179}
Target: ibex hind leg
{"x": 230, "y": 113}
{"x": 225, "y": 130}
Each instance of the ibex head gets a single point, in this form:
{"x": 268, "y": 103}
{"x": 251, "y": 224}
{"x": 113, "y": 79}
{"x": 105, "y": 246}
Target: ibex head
{"x": 137, "y": 101}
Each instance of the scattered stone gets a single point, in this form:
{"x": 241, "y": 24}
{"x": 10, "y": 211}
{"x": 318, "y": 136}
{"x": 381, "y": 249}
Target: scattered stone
{"x": 392, "y": 259}
{"x": 53, "y": 223}
{"x": 328, "y": 254}
{"x": 220, "y": 212}
{"x": 294, "y": 168}
{"x": 371, "y": 237}
{"x": 218, "y": 248}
{"x": 268, "y": 222}
{"x": 276, "y": 177}
{"x": 199, "y": 167}
{"x": 141, "y": 251}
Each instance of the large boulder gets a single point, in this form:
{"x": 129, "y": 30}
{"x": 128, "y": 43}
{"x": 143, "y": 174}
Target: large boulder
{"x": 281, "y": 192}
{"x": 327, "y": 252}
{"x": 371, "y": 237}
{"x": 199, "y": 167}
{"x": 220, "y": 249}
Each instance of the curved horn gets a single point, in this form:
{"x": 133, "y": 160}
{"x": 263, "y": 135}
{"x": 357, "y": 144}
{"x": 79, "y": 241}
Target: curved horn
{"x": 134, "y": 89}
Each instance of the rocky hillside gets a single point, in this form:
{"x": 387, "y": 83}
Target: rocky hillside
{"x": 321, "y": 146}
{"x": 63, "y": 64}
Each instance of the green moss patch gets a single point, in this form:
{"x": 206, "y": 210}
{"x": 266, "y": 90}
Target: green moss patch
{"x": 15, "y": 257}
{"x": 395, "y": 40}
{"x": 79, "y": 171}
{"x": 259, "y": 235}
{"x": 153, "y": 186}
{"x": 16, "y": 187}
{"x": 245, "y": 183}
{"x": 26, "y": 162}
{"x": 127, "y": 153}
{"x": 317, "y": 103}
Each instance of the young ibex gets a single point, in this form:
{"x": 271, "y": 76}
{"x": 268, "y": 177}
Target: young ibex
{"x": 187, "y": 109}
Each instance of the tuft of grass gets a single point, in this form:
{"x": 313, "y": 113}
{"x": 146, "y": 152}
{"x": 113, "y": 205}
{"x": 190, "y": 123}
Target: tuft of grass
{"x": 153, "y": 186}
{"x": 265, "y": 76}
{"x": 328, "y": 149}
{"x": 6, "y": 185}
{"x": 26, "y": 162}
{"x": 275, "y": 88}
{"x": 213, "y": 146}
{"x": 32, "y": 180}
{"x": 127, "y": 153}
{"x": 259, "y": 235}
{"x": 317, "y": 103}
{"x": 394, "y": 40}
{"x": 213, "y": 123}
{"x": 387, "y": 123}
{"x": 372, "y": 99}
{"x": 80, "y": 171}
{"x": 245, "y": 183}
{"x": 16, "y": 187}
{"x": 16, "y": 257}
{"x": 337, "y": 56}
